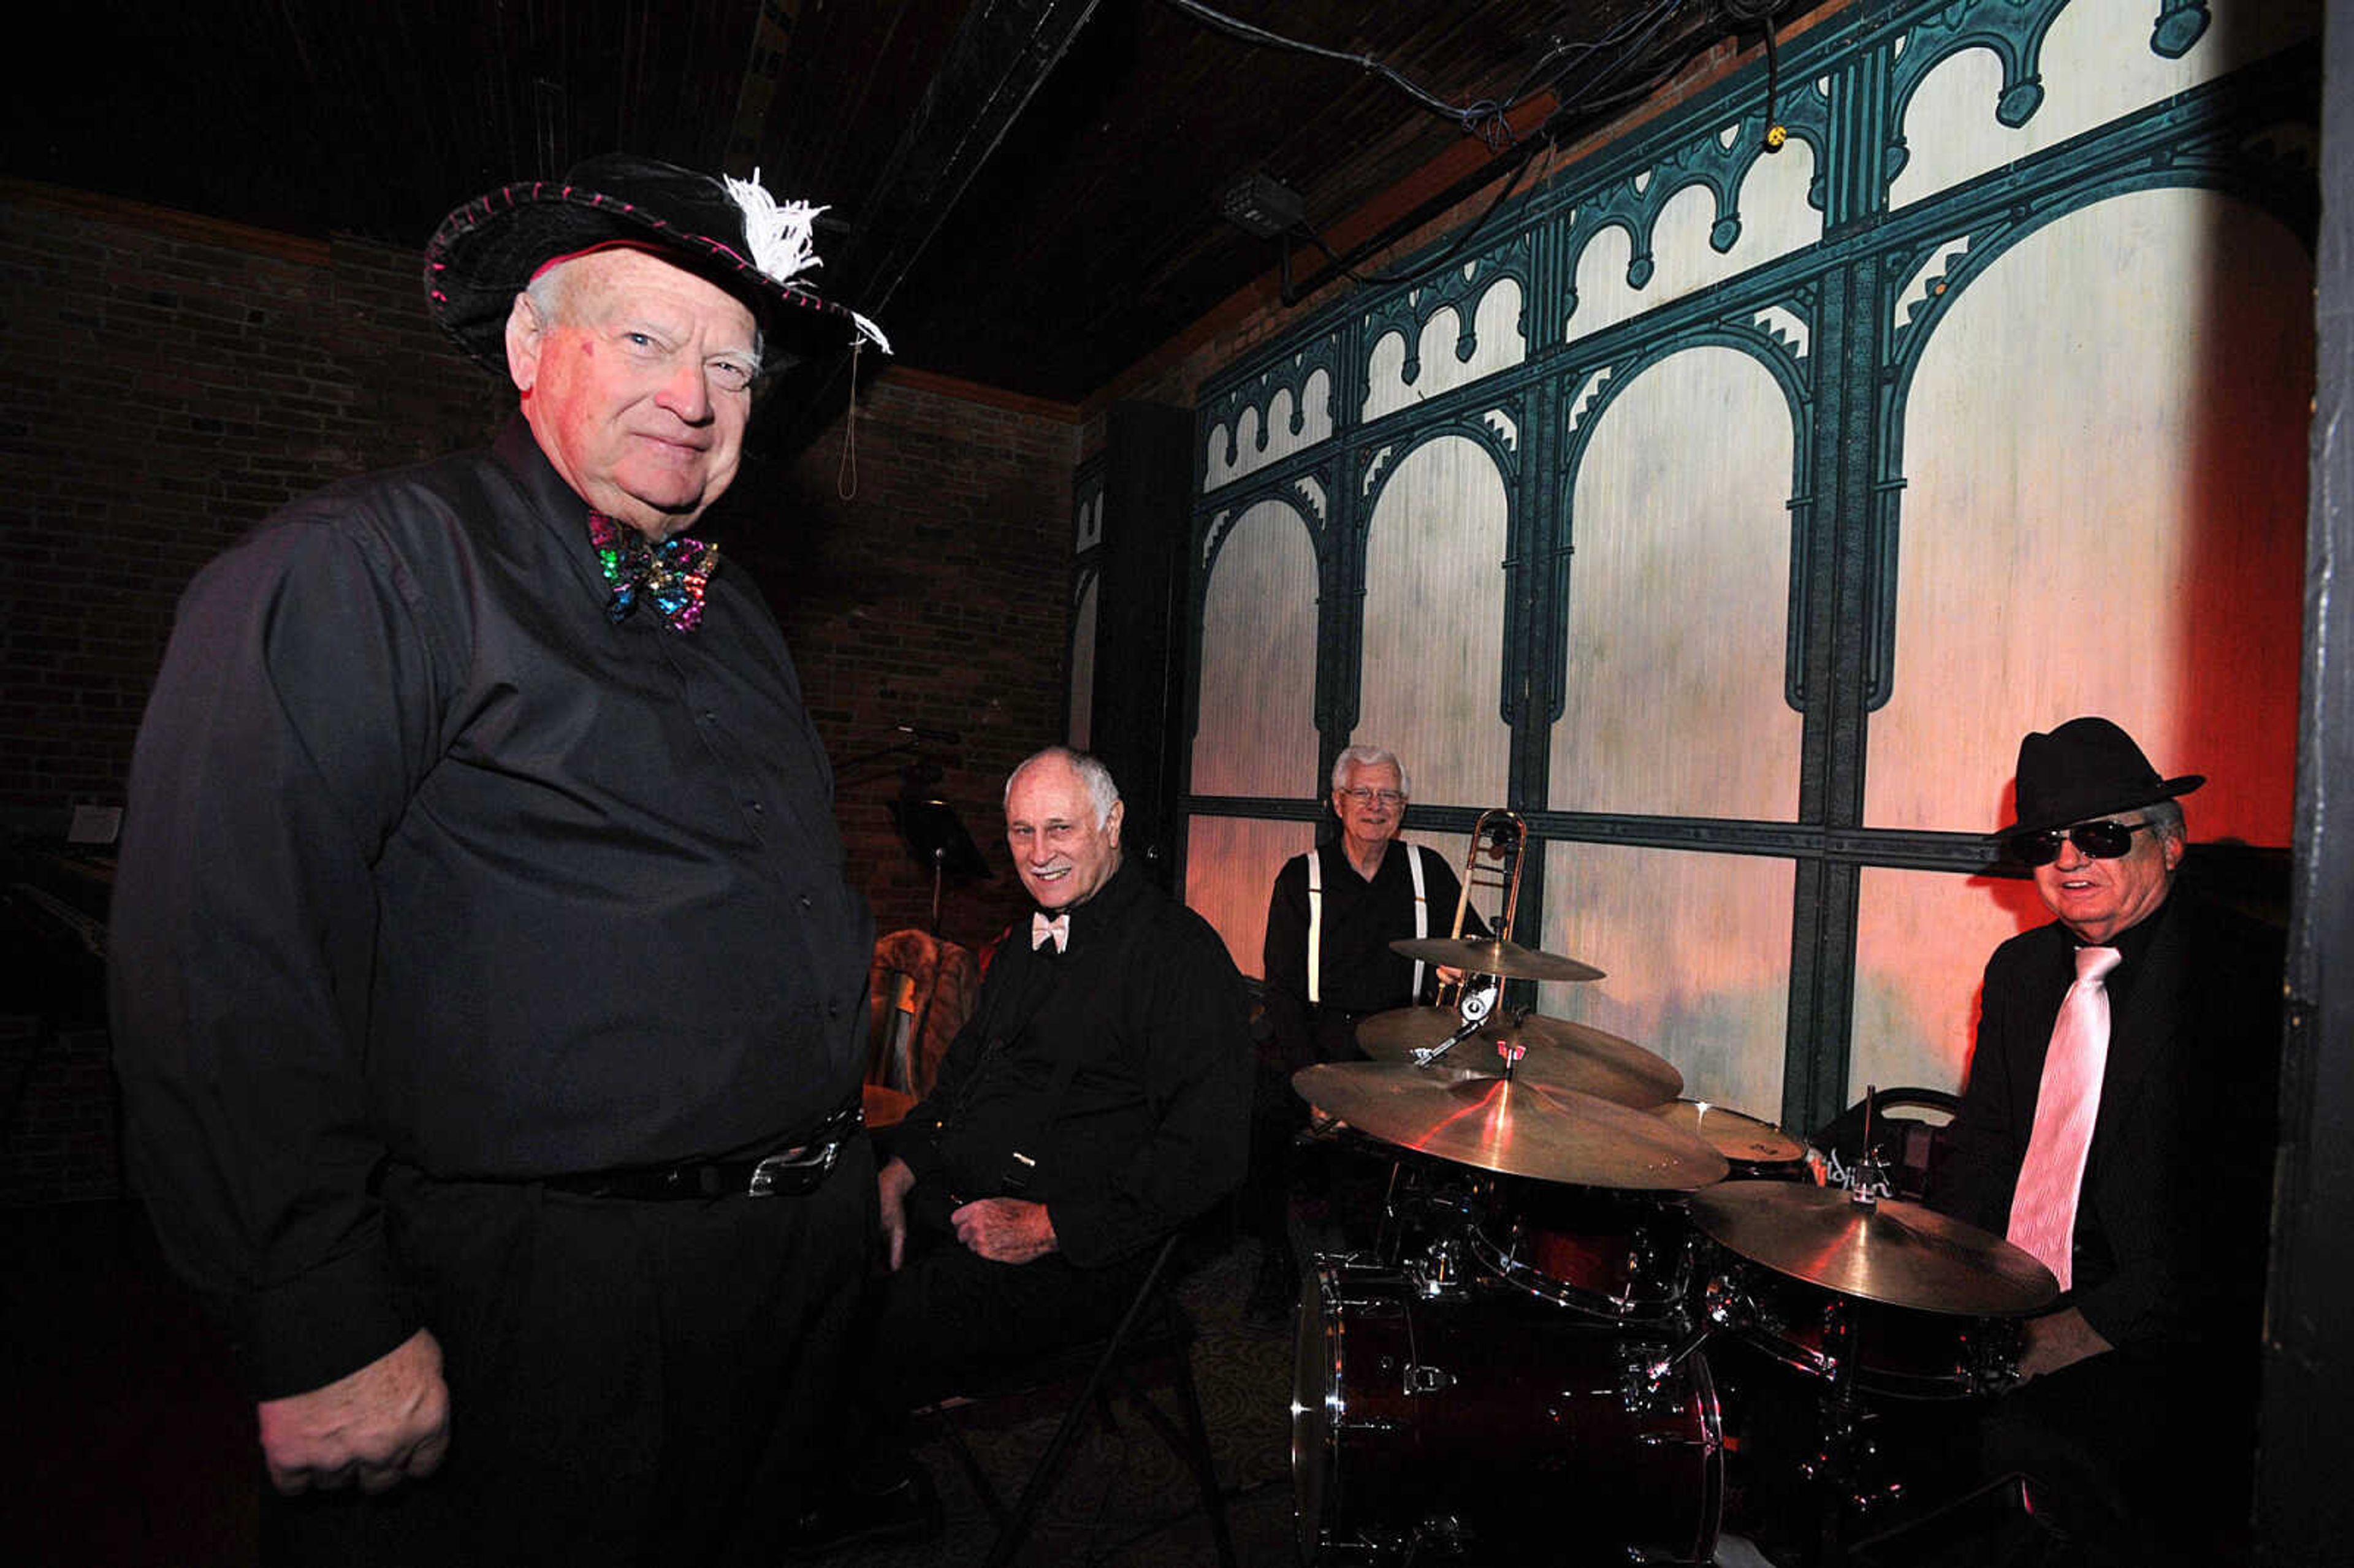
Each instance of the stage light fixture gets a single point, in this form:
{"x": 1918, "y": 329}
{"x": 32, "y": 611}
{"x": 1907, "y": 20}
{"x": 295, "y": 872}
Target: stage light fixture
{"x": 1262, "y": 206}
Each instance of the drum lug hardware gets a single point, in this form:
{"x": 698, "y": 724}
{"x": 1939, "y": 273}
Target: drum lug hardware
{"x": 1427, "y": 1379}
{"x": 1653, "y": 1364}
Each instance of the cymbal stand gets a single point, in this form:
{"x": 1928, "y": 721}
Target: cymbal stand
{"x": 1473, "y": 1008}
{"x": 1836, "y": 1466}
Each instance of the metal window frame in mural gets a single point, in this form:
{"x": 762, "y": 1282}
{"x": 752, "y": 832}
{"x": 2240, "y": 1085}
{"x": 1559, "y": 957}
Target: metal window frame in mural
{"x": 1841, "y": 322}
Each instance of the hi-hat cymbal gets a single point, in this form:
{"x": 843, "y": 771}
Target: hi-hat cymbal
{"x": 1509, "y": 1125}
{"x": 1508, "y": 960}
{"x": 1558, "y": 1054}
{"x": 1742, "y": 1138}
{"x": 1891, "y": 1251}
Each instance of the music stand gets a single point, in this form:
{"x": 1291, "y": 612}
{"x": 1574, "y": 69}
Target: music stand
{"x": 936, "y": 838}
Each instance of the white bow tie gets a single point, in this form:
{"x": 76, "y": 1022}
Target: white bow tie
{"x": 1060, "y": 929}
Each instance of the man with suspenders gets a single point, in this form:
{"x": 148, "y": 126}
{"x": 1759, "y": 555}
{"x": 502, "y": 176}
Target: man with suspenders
{"x": 1336, "y": 910}
{"x": 1329, "y": 923}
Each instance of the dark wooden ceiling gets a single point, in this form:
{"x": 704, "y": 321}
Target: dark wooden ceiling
{"x": 1029, "y": 188}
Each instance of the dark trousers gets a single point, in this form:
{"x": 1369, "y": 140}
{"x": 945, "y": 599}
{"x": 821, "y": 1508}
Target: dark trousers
{"x": 626, "y": 1379}
{"x": 1278, "y": 1117}
{"x": 2135, "y": 1462}
{"x": 949, "y": 1319}
{"x": 2129, "y": 1463}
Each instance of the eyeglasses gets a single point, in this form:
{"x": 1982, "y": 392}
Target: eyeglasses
{"x": 1365, "y": 797}
{"x": 2104, "y": 840}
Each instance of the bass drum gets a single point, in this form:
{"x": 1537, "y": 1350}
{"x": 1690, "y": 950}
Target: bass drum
{"x": 1494, "y": 1428}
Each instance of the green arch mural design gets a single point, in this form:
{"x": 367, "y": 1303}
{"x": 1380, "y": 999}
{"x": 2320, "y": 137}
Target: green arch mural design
{"x": 1848, "y": 85}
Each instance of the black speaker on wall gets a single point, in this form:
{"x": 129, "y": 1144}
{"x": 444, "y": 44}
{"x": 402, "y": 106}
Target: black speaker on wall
{"x": 1135, "y": 723}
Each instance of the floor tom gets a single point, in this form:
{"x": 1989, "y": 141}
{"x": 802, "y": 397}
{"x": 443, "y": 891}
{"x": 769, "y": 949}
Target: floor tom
{"x": 1494, "y": 1427}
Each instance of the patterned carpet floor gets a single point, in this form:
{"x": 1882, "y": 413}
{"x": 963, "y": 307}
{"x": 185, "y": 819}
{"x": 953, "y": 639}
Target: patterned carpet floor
{"x": 1124, "y": 1497}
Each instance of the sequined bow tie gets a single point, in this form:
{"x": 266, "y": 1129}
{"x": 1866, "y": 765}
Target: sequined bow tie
{"x": 1041, "y": 928}
{"x": 671, "y": 574}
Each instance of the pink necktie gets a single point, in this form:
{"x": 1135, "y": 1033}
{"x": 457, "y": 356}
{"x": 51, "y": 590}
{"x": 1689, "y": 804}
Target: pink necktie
{"x": 2043, "y": 1204}
{"x": 1059, "y": 927}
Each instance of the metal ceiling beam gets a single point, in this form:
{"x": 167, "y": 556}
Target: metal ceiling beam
{"x": 1002, "y": 51}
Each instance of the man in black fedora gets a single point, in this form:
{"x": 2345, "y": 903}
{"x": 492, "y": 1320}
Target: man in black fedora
{"x": 2118, "y": 1123}
{"x": 489, "y": 998}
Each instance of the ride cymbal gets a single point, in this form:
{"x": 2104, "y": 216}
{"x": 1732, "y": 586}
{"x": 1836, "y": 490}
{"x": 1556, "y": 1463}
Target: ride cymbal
{"x": 1739, "y": 1138}
{"x": 1509, "y": 1125}
{"x": 1892, "y": 1251}
{"x": 1556, "y": 1053}
{"x": 1491, "y": 958}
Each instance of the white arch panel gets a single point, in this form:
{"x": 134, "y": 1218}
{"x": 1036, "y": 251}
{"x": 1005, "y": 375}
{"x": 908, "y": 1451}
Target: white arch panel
{"x": 1256, "y": 733}
{"x": 2100, "y": 517}
{"x": 1679, "y": 600}
{"x": 1433, "y": 637}
{"x": 2096, "y": 66}
{"x": 1230, "y": 866}
{"x": 1083, "y": 665}
{"x": 1696, "y": 951}
{"x": 1497, "y": 344}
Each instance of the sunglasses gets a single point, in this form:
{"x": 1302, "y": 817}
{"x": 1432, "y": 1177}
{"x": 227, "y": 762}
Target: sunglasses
{"x": 2104, "y": 840}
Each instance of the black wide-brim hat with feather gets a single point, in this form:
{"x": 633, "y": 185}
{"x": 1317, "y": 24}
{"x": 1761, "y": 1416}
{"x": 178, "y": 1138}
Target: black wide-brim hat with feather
{"x": 2087, "y": 768}
{"x": 731, "y": 232}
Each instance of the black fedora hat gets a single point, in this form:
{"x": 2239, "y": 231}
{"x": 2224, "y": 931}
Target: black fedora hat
{"x": 731, "y": 232}
{"x": 2087, "y": 768}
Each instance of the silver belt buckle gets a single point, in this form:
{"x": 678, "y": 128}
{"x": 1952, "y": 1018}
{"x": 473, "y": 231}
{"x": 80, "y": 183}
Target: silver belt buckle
{"x": 795, "y": 1170}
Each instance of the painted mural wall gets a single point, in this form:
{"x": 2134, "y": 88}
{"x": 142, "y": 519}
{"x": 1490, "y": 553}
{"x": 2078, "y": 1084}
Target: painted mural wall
{"x": 1731, "y": 514}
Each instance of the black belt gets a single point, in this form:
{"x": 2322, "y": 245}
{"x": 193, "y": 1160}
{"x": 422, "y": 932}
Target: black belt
{"x": 786, "y": 1174}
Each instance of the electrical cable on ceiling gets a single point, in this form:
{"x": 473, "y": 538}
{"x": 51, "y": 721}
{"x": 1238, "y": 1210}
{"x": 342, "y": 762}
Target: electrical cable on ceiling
{"x": 1484, "y": 119}
{"x": 1488, "y": 119}
{"x": 1628, "y": 44}
{"x": 1762, "y": 13}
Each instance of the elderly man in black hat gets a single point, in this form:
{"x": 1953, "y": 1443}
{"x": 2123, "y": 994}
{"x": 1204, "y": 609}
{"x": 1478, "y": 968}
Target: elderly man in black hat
{"x": 490, "y": 1000}
{"x": 2118, "y": 1125}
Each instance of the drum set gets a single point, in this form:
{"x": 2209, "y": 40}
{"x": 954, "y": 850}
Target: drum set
{"x": 1518, "y": 1369}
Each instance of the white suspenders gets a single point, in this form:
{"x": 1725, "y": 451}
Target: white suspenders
{"x": 1421, "y": 913}
{"x": 1315, "y": 927}
{"x": 1316, "y": 919}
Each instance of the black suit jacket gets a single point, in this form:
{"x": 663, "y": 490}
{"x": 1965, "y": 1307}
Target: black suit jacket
{"x": 2173, "y": 1220}
{"x": 1121, "y": 1070}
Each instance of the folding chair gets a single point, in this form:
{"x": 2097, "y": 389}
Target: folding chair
{"x": 1154, "y": 1330}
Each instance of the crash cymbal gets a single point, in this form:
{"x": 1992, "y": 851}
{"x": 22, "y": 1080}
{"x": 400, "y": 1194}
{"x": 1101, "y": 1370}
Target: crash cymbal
{"x": 1505, "y": 1125}
{"x": 1505, "y": 958}
{"x": 1743, "y": 1139}
{"x": 1558, "y": 1054}
{"x": 1892, "y": 1251}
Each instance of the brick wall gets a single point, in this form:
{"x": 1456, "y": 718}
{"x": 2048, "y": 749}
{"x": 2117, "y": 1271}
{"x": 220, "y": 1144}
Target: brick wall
{"x": 935, "y": 597}
{"x": 172, "y": 380}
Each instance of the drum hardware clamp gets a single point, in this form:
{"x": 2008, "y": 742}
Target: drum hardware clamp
{"x": 1422, "y": 1379}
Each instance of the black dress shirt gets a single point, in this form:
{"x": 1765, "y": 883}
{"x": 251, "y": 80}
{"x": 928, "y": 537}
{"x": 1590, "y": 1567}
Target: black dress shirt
{"x": 426, "y": 859}
{"x": 1358, "y": 973}
{"x": 1118, "y": 1069}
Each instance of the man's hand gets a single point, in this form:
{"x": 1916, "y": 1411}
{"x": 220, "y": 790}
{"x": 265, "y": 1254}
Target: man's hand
{"x": 893, "y": 1183}
{"x": 2061, "y": 1340}
{"x": 388, "y": 1420}
{"x": 1005, "y": 1230}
